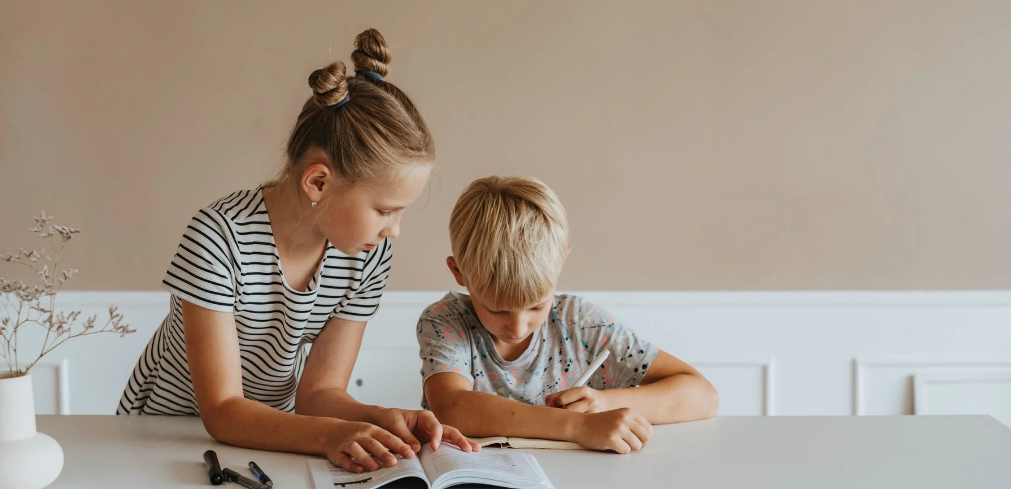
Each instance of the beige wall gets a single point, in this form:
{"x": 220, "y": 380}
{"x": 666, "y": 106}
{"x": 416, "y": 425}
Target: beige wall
{"x": 696, "y": 144}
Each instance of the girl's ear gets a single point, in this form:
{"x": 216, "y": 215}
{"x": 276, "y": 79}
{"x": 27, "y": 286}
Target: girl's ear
{"x": 317, "y": 176}
{"x": 451, "y": 263}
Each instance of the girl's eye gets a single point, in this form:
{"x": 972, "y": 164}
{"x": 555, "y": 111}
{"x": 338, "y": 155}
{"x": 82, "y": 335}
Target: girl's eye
{"x": 385, "y": 213}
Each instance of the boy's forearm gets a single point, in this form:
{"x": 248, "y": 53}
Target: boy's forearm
{"x": 479, "y": 414}
{"x": 671, "y": 400}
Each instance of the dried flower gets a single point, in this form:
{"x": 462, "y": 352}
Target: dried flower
{"x": 35, "y": 304}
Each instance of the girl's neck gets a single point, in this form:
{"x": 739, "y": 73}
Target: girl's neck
{"x": 294, "y": 232}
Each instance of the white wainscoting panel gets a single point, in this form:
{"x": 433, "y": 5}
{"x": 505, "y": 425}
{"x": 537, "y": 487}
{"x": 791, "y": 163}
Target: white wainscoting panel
{"x": 887, "y": 386}
{"x": 782, "y": 353}
{"x": 965, "y": 393}
{"x": 51, "y": 386}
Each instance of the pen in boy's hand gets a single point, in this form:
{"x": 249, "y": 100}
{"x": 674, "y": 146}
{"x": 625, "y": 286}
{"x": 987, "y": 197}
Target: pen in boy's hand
{"x": 594, "y": 365}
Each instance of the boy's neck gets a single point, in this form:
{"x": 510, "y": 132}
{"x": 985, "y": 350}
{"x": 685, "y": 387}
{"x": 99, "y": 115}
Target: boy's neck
{"x": 511, "y": 352}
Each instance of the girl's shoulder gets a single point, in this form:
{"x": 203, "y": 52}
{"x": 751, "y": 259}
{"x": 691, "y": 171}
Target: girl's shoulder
{"x": 240, "y": 205}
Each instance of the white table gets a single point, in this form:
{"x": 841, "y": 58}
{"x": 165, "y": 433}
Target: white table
{"x": 151, "y": 452}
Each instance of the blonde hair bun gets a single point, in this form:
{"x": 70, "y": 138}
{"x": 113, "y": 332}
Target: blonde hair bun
{"x": 329, "y": 85}
{"x": 371, "y": 53}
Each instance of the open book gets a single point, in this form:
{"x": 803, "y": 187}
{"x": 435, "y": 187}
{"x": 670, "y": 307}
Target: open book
{"x": 517, "y": 442}
{"x": 439, "y": 469}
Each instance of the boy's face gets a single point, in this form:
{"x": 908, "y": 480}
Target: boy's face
{"x": 511, "y": 327}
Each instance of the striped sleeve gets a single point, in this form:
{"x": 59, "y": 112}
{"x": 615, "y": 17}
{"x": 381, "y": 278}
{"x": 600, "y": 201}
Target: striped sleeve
{"x": 201, "y": 271}
{"x": 362, "y": 306}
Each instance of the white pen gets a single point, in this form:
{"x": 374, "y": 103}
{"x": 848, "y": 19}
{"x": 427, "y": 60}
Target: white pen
{"x": 594, "y": 365}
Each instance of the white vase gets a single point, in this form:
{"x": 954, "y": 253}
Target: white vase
{"x": 28, "y": 459}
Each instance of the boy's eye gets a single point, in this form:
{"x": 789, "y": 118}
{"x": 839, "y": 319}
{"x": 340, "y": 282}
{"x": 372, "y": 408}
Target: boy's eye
{"x": 384, "y": 213}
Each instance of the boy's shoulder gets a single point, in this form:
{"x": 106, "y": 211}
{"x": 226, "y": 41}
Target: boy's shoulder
{"x": 574, "y": 308}
{"x": 450, "y": 309}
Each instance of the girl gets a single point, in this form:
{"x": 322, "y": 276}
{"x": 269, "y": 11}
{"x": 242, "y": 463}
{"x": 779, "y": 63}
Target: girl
{"x": 261, "y": 274}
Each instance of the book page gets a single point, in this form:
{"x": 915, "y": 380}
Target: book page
{"x": 491, "y": 440}
{"x": 491, "y": 465}
{"x": 516, "y": 442}
{"x": 326, "y": 475}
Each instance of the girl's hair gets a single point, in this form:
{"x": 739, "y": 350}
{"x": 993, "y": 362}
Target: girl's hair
{"x": 367, "y": 126}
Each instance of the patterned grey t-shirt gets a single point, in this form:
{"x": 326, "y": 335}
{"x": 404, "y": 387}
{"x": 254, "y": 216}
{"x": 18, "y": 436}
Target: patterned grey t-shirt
{"x": 452, "y": 339}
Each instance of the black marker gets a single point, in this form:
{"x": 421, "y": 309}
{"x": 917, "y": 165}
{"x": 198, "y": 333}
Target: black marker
{"x": 260, "y": 475}
{"x": 213, "y": 468}
{"x": 242, "y": 480}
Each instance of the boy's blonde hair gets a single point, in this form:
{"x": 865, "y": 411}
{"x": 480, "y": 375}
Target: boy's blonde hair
{"x": 510, "y": 239}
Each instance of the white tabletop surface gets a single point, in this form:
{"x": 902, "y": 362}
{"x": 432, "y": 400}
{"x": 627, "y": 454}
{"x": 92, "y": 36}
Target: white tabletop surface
{"x": 152, "y": 452}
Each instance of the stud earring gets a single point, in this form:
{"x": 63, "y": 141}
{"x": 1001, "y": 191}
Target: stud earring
{"x": 314, "y": 203}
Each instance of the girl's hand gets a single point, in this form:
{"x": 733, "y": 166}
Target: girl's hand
{"x": 579, "y": 399}
{"x": 414, "y": 425}
{"x": 355, "y": 446}
{"x": 621, "y": 430}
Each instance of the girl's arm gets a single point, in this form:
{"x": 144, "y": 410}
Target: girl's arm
{"x": 212, "y": 350}
{"x": 671, "y": 392}
{"x": 453, "y": 399}
{"x": 322, "y": 391}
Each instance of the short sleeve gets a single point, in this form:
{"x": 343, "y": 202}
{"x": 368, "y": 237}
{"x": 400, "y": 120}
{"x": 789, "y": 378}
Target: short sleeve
{"x": 443, "y": 344}
{"x": 364, "y": 304}
{"x": 630, "y": 356}
{"x": 201, "y": 271}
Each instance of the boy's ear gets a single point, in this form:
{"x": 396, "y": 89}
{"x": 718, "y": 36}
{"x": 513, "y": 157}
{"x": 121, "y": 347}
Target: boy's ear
{"x": 568, "y": 251}
{"x": 451, "y": 263}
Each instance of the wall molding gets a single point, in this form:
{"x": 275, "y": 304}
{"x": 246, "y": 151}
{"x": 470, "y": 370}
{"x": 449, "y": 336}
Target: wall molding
{"x": 860, "y": 371}
{"x": 62, "y": 368}
{"x": 814, "y": 353}
{"x": 922, "y": 383}
{"x": 768, "y": 368}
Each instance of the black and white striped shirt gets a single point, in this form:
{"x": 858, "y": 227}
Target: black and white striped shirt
{"x": 227, "y": 261}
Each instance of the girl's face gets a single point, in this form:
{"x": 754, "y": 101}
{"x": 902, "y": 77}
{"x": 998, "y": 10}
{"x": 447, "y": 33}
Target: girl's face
{"x": 358, "y": 217}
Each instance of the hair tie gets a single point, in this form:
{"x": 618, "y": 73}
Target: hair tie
{"x": 369, "y": 74}
{"x": 342, "y": 102}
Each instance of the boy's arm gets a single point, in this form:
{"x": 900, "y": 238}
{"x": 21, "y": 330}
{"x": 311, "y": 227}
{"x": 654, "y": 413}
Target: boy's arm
{"x": 477, "y": 414}
{"x": 671, "y": 392}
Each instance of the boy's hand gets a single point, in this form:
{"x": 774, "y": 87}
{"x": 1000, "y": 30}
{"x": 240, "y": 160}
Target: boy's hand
{"x": 414, "y": 425}
{"x": 621, "y": 430}
{"x": 579, "y": 399}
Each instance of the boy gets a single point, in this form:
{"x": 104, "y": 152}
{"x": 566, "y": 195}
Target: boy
{"x": 503, "y": 360}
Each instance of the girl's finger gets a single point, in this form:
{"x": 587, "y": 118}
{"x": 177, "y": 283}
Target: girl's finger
{"x": 404, "y": 433}
{"x": 343, "y": 461}
{"x": 393, "y": 442}
{"x": 378, "y": 451}
{"x": 580, "y": 406}
{"x": 356, "y": 452}
{"x": 454, "y": 436}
